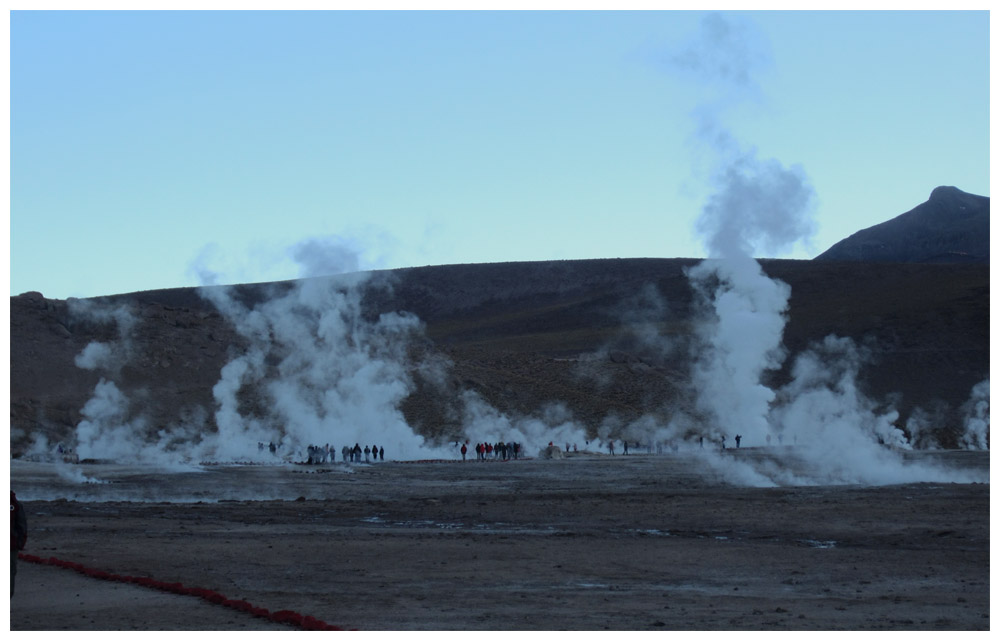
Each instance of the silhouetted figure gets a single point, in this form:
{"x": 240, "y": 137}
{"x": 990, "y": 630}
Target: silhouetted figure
{"x": 381, "y": 453}
{"x": 368, "y": 451}
{"x": 738, "y": 439}
{"x": 611, "y": 447}
{"x": 625, "y": 447}
{"x": 18, "y": 535}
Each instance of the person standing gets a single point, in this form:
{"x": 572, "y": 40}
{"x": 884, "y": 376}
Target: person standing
{"x": 464, "y": 450}
{"x": 368, "y": 451}
{"x": 18, "y": 535}
{"x": 381, "y": 453}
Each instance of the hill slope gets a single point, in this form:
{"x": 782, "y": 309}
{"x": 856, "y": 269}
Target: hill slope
{"x": 522, "y": 336}
{"x": 951, "y": 227}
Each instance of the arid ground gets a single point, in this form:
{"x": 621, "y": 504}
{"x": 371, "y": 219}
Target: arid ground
{"x": 589, "y": 542}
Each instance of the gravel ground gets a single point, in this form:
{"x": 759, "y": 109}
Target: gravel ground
{"x": 589, "y": 542}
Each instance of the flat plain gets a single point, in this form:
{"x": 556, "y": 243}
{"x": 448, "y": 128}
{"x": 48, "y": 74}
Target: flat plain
{"x": 587, "y": 542}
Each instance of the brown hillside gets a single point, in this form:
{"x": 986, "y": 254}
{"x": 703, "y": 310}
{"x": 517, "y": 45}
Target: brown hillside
{"x": 526, "y": 334}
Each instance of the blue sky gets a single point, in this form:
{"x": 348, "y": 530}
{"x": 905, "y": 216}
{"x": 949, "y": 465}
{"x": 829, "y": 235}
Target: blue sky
{"x": 150, "y": 149}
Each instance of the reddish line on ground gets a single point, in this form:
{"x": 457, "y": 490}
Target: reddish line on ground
{"x": 287, "y": 617}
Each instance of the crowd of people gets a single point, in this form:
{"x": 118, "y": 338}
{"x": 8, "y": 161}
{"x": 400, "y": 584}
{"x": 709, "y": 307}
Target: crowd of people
{"x": 494, "y": 451}
{"x": 500, "y": 451}
{"x": 321, "y": 454}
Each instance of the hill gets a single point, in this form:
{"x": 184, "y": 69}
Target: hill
{"x": 951, "y": 227}
{"x": 602, "y": 337}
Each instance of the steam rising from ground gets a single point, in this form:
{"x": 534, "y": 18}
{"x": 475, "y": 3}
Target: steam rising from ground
{"x": 325, "y": 373}
{"x": 315, "y": 367}
{"x": 977, "y": 418}
{"x": 760, "y": 205}
{"x": 110, "y": 429}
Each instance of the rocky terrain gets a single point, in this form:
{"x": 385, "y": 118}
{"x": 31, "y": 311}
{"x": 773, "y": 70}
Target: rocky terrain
{"x": 602, "y": 337}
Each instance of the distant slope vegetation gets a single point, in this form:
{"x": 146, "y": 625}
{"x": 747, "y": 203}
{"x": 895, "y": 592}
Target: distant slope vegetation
{"x": 951, "y": 227}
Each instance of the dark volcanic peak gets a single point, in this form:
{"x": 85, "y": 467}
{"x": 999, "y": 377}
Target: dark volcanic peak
{"x": 951, "y": 227}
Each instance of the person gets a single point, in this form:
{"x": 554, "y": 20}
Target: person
{"x": 738, "y": 439}
{"x": 464, "y": 450}
{"x": 368, "y": 451}
{"x": 374, "y": 453}
{"x": 611, "y": 447}
{"x": 381, "y": 453}
{"x": 625, "y": 445}
{"x": 357, "y": 453}
{"x": 18, "y": 535}
{"x": 345, "y": 452}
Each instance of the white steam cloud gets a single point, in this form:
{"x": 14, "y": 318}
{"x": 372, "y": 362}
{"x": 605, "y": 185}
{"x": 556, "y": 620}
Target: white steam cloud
{"x": 113, "y": 427}
{"x": 977, "y": 418}
{"x": 106, "y": 430}
{"x": 326, "y": 373}
{"x": 838, "y": 435}
{"x": 104, "y": 356}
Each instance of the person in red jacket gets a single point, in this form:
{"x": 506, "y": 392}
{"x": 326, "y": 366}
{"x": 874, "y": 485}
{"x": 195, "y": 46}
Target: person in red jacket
{"x": 464, "y": 450}
{"x": 18, "y": 535}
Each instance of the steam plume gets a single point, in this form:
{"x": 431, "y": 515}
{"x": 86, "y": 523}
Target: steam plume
{"x": 977, "y": 418}
{"x": 840, "y": 436}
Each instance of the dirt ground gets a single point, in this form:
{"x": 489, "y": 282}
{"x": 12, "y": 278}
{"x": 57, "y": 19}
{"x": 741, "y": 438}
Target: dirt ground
{"x": 590, "y": 542}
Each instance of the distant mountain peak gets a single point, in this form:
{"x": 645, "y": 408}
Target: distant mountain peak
{"x": 951, "y": 227}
